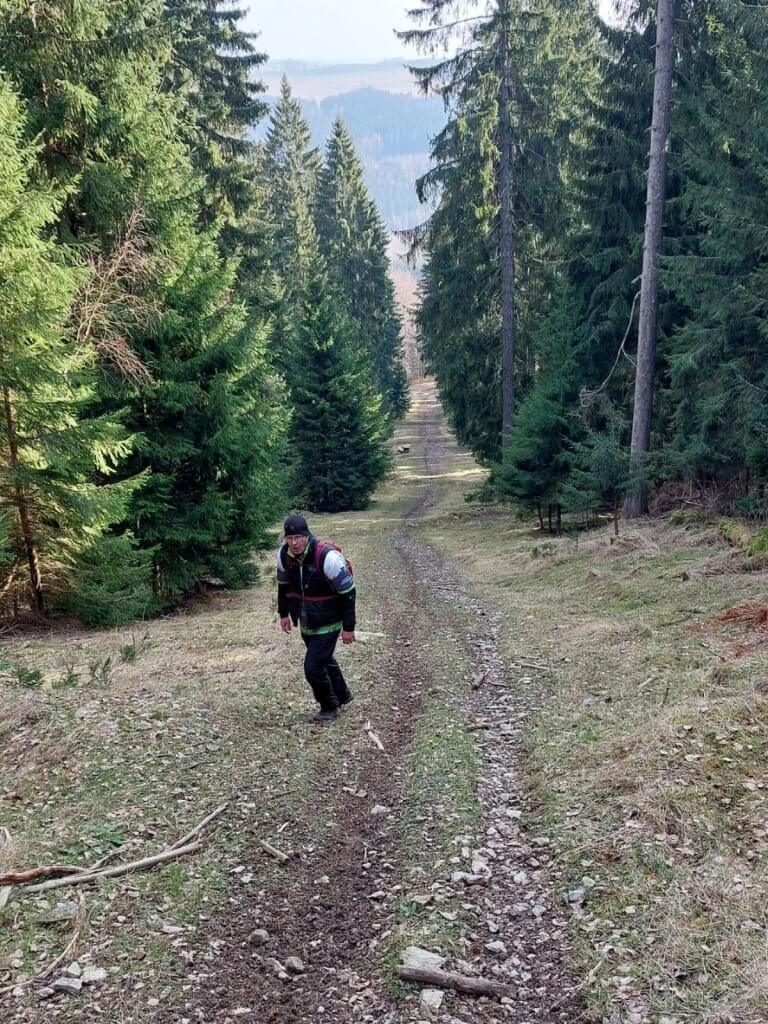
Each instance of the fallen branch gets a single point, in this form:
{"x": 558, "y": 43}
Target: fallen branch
{"x": 274, "y": 852}
{"x": 434, "y": 977}
{"x": 479, "y": 678}
{"x": 198, "y": 828}
{"x": 372, "y": 736}
{"x": 108, "y": 857}
{"x": 82, "y": 878}
{"x": 533, "y": 664}
{"x": 44, "y": 871}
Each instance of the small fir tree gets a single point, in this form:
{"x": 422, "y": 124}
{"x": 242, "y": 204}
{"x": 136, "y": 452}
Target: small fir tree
{"x": 600, "y": 476}
{"x": 339, "y": 426}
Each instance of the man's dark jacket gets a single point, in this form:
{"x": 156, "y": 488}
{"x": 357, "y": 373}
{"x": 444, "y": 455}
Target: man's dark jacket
{"x": 315, "y": 591}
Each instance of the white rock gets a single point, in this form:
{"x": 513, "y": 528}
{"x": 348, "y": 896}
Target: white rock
{"x": 378, "y": 809}
{"x": 497, "y": 946}
{"x": 432, "y": 998}
{"x": 74, "y": 970}
{"x": 467, "y": 879}
{"x": 415, "y": 956}
{"x": 66, "y": 984}
{"x": 294, "y": 965}
{"x": 93, "y": 975}
{"x": 259, "y": 937}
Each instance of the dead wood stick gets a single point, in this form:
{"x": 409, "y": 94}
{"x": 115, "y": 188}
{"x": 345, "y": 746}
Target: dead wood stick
{"x": 533, "y": 664}
{"x": 198, "y": 828}
{"x": 44, "y": 871}
{"x": 479, "y": 678}
{"x": 459, "y": 982}
{"x": 120, "y": 869}
{"x": 712, "y": 650}
{"x": 107, "y": 858}
{"x": 274, "y": 852}
{"x": 372, "y": 736}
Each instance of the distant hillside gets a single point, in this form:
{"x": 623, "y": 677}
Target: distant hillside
{"x": 392, "y": 133}
{"x": 317, "y": 81}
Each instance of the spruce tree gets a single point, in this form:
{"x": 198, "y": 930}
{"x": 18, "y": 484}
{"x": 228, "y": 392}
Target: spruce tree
{"x": 339, "y": 427}
{"x": 494, "y": 173}
{"x": 213, "y": 76}
{"x": 354, "y": 243}
{"x": 94, "y": 75}
{"x": 592, "y": 312}
{"x": 713, "y": 402}
{"x": 600, "y": 472}
{"x": 55, "y": 458}
{"x": 291, "y": 168}
{"x": 209, "y": 430}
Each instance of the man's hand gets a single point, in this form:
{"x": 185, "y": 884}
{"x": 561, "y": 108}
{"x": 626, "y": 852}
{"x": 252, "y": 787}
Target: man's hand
{"x": 285, "y": 624}
{"x": 347, "y": 636}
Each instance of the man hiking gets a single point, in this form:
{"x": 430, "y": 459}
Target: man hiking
{"x": 316, "y": 589}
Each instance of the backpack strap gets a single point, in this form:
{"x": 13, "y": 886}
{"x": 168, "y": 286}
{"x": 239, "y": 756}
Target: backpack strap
{"x": 322, "y": 547}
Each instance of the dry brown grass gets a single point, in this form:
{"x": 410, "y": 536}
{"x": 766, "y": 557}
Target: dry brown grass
{"x": 649, "y": 756}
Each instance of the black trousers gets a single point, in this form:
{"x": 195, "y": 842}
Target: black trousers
{"x": 322, "y": 670}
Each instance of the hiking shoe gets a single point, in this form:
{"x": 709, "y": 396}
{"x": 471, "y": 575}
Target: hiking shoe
{"x": 347, "y": 700}
{"x": 325, "y": 717}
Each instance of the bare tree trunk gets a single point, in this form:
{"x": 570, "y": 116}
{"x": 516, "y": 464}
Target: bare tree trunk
{"x": 23, "y": 507}
{"x": 637, "y": 501}
{"x": 507, "y": 238}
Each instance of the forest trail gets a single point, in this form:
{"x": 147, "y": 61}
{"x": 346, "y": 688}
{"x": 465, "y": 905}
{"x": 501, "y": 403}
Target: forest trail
{"x": 137, "y": 735}
{"x": 365, "y": 832}
{"x": 571, "y": 716}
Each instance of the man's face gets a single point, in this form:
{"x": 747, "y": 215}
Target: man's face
{"x": 297, "y": 542}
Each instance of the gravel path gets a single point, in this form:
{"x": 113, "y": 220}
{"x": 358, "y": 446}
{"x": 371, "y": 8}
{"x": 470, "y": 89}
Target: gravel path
{"x": 332, "y": 905}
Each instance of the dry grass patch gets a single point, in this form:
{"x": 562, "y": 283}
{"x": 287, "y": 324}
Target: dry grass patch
{"x": 649, "y": 756}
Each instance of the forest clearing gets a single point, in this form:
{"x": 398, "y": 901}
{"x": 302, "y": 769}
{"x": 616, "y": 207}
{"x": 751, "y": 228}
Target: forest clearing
{"x": 569, "y": 800}
{"x": 496, "y": 437}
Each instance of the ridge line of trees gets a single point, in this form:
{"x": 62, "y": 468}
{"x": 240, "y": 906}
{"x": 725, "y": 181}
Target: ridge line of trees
{"x": 177, "y": 347}
{"x": 572, "y": 102}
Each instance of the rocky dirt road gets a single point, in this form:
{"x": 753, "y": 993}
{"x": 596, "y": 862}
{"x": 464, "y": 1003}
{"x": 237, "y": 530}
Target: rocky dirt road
{"x": 319, "y": 943}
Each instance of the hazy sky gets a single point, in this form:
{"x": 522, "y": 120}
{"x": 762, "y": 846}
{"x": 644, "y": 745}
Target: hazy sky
{"x": 332, "y": 30}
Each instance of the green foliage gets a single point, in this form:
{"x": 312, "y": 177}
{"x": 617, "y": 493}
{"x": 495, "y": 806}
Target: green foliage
{"x": 459, "y": 320}
{"x": 113, "y": 584}
{"x": 142, "y": 108}
{"x": 354, "y": 243}
{"x": 211, "y": 429}
{"x": 339, "y": 426}
{"x": 130, "y": 652}
{"x": 55, "y": 455}
{"x": 600, "y": 475}
{"x": 28, "y": 678}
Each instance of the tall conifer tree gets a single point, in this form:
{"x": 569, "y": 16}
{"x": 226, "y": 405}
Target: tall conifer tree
{"x": 354, "y": 243}
{"x": 52, "y": 506}
{"x": 339, "y": 426}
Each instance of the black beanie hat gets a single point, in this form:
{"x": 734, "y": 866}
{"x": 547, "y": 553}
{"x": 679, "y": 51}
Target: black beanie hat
{"x": 295, "y": 524}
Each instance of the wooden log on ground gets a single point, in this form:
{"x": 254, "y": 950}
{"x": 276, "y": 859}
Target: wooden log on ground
{"x": 435, "y": 978}
{"x": 121, "y": 869}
